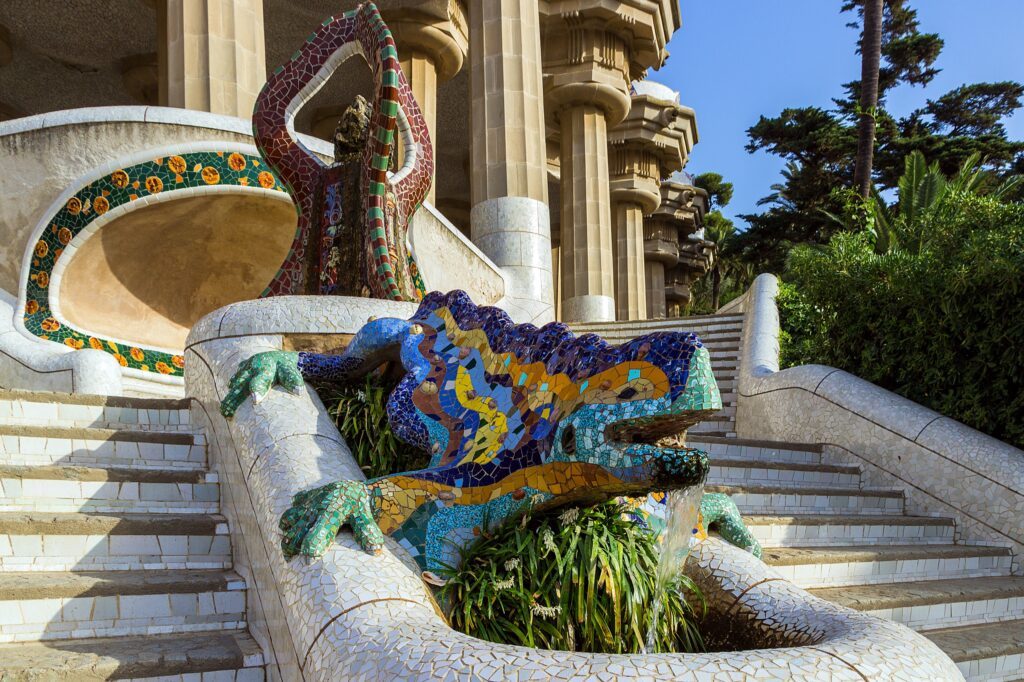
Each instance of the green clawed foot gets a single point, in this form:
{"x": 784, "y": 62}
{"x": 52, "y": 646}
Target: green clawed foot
{"x": 313, "y": 521}
{"x": 720, "y": 511}
{"x": 258, "y": 374}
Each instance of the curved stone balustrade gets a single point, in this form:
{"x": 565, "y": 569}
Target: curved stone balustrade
{"x": 351, "y": 615}
{"x": 945, "y": 467}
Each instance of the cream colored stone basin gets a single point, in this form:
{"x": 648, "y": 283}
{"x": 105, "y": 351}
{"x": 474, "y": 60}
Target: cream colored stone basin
{"x": 147, "y": 276}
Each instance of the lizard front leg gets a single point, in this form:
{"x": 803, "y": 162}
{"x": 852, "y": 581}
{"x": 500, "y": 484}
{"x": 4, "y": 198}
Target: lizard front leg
{"x": 315, "y": 517}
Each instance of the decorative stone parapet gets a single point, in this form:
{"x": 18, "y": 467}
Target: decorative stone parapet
{"x": 37, "y": 365}
{"x": 353, "y": 615}
{"x": 945, "y": 467}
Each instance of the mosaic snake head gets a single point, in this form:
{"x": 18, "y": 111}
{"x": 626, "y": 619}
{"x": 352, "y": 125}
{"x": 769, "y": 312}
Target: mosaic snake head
{"x": 514, "y": 416}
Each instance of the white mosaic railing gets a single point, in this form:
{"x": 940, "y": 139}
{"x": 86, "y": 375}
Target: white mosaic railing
{"x": 30, "y": 363}
{"x": 353, "y": 616}
{"x": 945, "y": 467}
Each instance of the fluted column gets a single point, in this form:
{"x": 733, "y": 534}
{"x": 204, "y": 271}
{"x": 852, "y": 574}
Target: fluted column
{"x": 654, "y": 277}
{"x": 672, "y": 258}
{"x": 509, "y": 219}
{"x": 593, "y": 50}
{"x": 586, "y": 91}
{"x": 211, "y": 55}
{"x": 630, "y": 286}
{"x": 588, "y": 289}
{"x": 644, "y": 148}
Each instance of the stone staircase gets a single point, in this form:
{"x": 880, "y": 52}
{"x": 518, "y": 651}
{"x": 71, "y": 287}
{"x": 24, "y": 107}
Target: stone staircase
{"x": 721, "y": 334}
{"x": 114, "y": 560}
{"x": 822, "y": 528}
{"x": 115, "y": 563}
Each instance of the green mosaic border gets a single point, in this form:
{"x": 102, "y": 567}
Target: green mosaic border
{"x": 120, "y": 187}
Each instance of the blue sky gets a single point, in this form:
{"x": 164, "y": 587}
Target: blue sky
{"x": 734, "y": 60}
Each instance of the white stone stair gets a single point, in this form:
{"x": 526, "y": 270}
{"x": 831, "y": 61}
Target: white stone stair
{"x": 114, "y": 560}
{"x": 822, "y": 529}
{"x": 837, "y": 542}
{"x": 720, "y": 334}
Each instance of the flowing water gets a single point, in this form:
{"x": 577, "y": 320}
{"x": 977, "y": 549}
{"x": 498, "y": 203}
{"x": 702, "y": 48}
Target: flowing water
{"x": 682, "y": 509}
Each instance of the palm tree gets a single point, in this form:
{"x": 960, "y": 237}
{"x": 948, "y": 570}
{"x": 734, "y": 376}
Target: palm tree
{"x": 923, "y": 191}
{"x": 870, "y": 56}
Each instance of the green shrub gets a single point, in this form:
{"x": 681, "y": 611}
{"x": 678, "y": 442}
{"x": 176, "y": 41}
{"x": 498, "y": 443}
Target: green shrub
{"x": 800, "y": 328}
{"x": 575, "y": 580}
{"x": 942, "y": 327}
{"x": 360, "y": 412}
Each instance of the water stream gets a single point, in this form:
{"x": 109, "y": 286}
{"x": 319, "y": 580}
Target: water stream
{"x": 677, "y": 538}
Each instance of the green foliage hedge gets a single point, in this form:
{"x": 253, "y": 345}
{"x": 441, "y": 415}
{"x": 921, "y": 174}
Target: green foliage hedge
{"x": 573, "y": 580}
{"x": 943, "y": 327}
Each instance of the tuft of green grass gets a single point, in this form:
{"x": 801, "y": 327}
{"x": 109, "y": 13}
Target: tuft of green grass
{"x": 577, "y": 579}
{"x": 360, "y": 413}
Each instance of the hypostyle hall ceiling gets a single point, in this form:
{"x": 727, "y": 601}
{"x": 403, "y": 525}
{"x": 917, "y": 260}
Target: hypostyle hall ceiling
{"x": 74, "y": 53}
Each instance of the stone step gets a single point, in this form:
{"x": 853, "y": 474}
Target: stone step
{"x": 111, "y": 489}
{"x": 57, "y": 605}
{"x": 771, "y": 499}
{"x": 933, "y": 604}
{"x": 728, "y": 411}
{"x": 990, "y": 652}
{"x": 670, "y": 323}
{"x": 824, "y": 530}
{"x": 860, "y": 565}
{"x": 711, "y": 337}
{"x": 65, "y": 409}
{"x": 234, "y": 655}
{"x": 741, "y": 471}
{"x": 761, "y": 450}
{"x": 38, "y": 541}
{"x": 713, "y": 419}
{"x": 717, "y": 432}
{"x": 44, "y": 445}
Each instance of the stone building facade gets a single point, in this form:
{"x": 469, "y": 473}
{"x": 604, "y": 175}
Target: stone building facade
{"x": 555, "y": 154}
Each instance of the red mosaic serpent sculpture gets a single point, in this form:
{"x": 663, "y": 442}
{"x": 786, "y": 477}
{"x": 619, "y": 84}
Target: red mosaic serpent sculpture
{"x": 386, "y": 204}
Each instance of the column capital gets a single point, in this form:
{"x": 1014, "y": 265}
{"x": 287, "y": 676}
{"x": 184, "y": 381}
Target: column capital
{"x": 585, "y": 64}
{"x": 683, "y": 203}
{"x": 646, "y": 147}
{"x": 643, "y": 26}
{"x": 435, "y": 29}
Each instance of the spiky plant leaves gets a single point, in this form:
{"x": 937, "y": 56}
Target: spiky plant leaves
{"x": 360, "y": 413}
{"x": 578, "y": 582}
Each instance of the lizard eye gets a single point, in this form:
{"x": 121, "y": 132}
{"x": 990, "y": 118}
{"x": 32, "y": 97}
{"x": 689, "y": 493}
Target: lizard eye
{"x": 569, "y": 440}
{"x": 627, "y": 393}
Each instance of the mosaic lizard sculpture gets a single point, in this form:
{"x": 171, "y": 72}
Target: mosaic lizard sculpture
{"x": 321, "y": 260}
{"x": 512, "y": 415}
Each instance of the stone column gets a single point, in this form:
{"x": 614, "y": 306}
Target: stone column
{"x": 592, "y": 51}
{"x": 509, "y": 219}
{"x": 588, "y": 285}
{"x": 673, "y": 260}
{"x": 432, "y": 40}
{"x": 630, "y": 286}
{"x": 654, "y": 278}
{"x": 211, "y": 55}
{"x": 661, "y": 251}
{"x": 643, "y": 148}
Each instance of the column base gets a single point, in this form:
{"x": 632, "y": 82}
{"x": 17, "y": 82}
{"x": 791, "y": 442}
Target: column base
{"x": 588, "y": 309}
{"x": 515, "y": 233}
